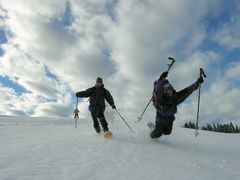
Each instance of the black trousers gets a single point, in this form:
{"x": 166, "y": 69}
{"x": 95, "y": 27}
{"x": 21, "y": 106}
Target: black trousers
{"x": 164, "y": 126}
{"x": 99, "y": 115}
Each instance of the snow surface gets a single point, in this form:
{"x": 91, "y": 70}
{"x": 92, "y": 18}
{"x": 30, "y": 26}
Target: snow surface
{"x": 52, "y": 149}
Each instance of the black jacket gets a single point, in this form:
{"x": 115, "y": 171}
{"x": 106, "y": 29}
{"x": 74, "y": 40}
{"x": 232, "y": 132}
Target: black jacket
{"x": 97, "y": 98}
{"x": 170, "y": 108}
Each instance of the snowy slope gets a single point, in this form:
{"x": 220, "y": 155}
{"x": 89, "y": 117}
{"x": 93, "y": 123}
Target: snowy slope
{"x": 52, "y": 149}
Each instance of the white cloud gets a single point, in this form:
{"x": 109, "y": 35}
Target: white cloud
{"x": 218, "y": 104}
{"x": 233, "y": 72}
{"x": 140, "y": 43}
{"x": 12, "y": 104}
{"x": 28, "y": 73}
{"x": 59, "y": 108}
{"x": 31, "y": 75}
{"x": 125, "y": 42}
{"x": 147, "y": 32}
{"x": 228, "y": 33}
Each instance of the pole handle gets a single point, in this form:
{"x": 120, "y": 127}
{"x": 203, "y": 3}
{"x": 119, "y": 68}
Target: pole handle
{"x": 171, "y": 64}
{"x": 202, "y": 73}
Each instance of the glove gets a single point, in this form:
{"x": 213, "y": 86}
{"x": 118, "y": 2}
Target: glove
{"x": 200, "y": 80}
{"x": 79, "y": 94}
{"x": 164, "y": 75}
{"x": 113, "y": 106}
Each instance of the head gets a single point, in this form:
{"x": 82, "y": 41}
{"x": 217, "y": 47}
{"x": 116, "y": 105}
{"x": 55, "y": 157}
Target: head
{"x": 99, "y": 82}
{"x": 168, "y": 90}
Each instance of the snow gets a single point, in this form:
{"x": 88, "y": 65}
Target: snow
{"x": 53, "y": 149}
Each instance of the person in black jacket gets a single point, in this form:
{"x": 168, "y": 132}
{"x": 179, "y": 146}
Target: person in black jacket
{"x": 97, "y": 96}
{"x": 166, "y": 99}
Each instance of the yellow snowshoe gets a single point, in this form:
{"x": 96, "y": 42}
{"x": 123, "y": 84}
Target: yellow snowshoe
{"x": 107, "y": 134}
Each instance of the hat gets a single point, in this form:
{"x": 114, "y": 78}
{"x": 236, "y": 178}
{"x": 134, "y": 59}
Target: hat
{"x": 99, "y": 80}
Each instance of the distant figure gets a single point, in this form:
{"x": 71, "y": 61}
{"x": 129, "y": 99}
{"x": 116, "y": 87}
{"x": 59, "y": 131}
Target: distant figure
{"x": 165, "y": 99}
{"x": 97, "y": 96}
{"x": 76, "y": 111}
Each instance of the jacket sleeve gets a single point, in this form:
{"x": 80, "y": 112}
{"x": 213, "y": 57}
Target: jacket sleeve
{"x": 86, "y": 93}
{"x": 157, "y": 93}
{"x": 183, "y": 94}
{"x": 109, "y": 97}
{"x": 158, "y": 87}
{"x": 154, "y": 99}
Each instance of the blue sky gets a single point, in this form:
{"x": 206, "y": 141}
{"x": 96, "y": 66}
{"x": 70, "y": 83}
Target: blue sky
{"x": 5, "y": 80}
{"x": 3, "y": 39}
{"x": 50, "y": 50}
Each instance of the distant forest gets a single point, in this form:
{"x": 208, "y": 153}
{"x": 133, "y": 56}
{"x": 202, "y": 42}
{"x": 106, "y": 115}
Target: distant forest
{"x": 223, "y": 128}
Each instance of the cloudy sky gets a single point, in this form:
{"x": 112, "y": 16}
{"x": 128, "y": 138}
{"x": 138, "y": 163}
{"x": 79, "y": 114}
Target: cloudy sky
{"x": 52, "y": 48}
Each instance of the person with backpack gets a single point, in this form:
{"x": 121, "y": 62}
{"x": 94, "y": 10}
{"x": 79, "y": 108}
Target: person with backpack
{"x": 165, "y": 100}
{"x": 97, "y": 96}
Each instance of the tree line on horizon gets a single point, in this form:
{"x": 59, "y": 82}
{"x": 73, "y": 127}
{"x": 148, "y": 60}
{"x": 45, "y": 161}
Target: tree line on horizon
{"x": 223, "y": 128}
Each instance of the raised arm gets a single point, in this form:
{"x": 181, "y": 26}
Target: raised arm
{"x": 183, "y": 94}
{"x": 86, "y": 93}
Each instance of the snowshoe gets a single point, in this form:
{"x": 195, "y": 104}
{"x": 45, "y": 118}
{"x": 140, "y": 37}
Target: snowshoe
{"x": 107, "y": 134}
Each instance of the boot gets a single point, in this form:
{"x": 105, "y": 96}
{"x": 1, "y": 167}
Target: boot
{"x": 105, "y": 129}
{"x": 97, "y": 129}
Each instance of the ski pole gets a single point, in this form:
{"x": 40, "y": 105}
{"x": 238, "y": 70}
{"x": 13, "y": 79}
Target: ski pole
{"x": 76, "y": 118}
{"x": 169, "y": 67}
{"x": 140, "y": 118}
{"x": 124, "y": 120}
{"x": 199, "y": 91}
{"x": 202, "y": 73}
